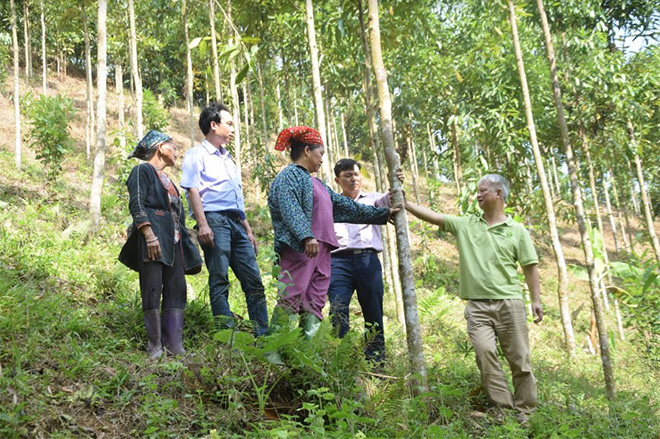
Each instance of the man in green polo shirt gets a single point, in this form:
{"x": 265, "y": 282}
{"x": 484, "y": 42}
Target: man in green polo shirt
{"x": 489, "y": 248}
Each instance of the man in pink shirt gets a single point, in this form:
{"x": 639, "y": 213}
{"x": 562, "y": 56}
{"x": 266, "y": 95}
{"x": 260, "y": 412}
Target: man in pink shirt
{"x": 355, "y": 265}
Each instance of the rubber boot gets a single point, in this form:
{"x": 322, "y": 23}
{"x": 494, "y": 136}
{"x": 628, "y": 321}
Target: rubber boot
{"x": 152, "y": 325}
{"x": 310, "y": 324}
{"x": 172, "y": 329}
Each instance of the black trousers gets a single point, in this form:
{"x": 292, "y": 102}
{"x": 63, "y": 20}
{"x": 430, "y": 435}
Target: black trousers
{"x": 157, "y": 278}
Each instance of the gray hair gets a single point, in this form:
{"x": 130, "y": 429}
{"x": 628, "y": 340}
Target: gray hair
{"x": 499, "y": 182}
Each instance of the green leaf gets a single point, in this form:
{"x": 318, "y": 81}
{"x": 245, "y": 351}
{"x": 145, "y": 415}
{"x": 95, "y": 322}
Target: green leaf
{"x": 242, "y": 74}
{"x": 579, "y": 272}
{"x": 194, "y": 43}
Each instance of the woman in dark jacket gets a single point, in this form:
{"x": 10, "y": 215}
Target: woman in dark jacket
{"x": 158, "y": 246}
{"x": 303, "y": 210}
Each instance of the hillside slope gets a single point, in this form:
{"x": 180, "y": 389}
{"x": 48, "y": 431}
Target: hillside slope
{"x": 72, "y": 359}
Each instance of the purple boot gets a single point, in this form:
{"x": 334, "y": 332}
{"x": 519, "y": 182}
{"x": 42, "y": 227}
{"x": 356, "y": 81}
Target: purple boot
{"x": 152, "y": 325}
{"x": 172, "y": 328}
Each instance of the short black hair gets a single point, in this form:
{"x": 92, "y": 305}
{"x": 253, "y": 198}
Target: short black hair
{"x": 345, "y": 165}
{"x": 211, "y": 114}
{"x": 298, "y": 147}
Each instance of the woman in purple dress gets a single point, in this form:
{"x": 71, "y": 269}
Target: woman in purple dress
{"x": 303, "y": 210}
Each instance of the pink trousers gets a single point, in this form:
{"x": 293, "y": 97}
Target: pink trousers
{"x": 306, "y": 279}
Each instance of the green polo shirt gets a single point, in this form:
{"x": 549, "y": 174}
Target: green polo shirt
{"x": 488, "y": 256}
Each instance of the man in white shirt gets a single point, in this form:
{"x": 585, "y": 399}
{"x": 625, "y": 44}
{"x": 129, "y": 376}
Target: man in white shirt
{"x": 355, "y": 265}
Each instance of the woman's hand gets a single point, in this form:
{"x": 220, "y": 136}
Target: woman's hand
{"x": 153, "y": 248}
{"x": 311, "y": 247}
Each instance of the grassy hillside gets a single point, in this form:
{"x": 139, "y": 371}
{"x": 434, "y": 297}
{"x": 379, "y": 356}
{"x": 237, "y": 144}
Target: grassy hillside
{"x": 72, "y": 347}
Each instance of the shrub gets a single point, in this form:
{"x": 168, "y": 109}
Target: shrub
{"x": 155, "y": 116}
{"x": 5, "y": 43}
{"x": 50, "y": 118}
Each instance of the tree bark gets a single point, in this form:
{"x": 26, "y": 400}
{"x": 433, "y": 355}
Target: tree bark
{"x": 413, "y": 328}
{"x": 17, "y": 95}
{"x": 458, "y": 167}
{"x": 89, "y": 91}
{"x": 101, "y": 84}
{"x": 214, "y": 50}
{"x": 236, "y": 105}
{"x": 316, "y": 80}
{"x": 562, "y": 276}
{"x": 246, "y": 118}
{"x": 189, "y": 75}
{"x": 135, "y": 72}
{"x": 280, "y": 116}
{"x": 343, "y": 131}
{"x": 119, "y": 89}
{"x": 646, "y": 201}
{"x": 599, "y": 219}
{"x": 620, "y": 207}
{"x": 27, "y": 44}
{"x": 389, "y": 267}
{"x": 610, "y": 213}
{"x": 295, "y": 105}
{"x": 44, "y": 73}
{"x": 608, "y": 367}
{"x": 633, "y": 196}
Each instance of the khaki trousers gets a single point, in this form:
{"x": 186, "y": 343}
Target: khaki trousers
{"x": 505, "y": 320}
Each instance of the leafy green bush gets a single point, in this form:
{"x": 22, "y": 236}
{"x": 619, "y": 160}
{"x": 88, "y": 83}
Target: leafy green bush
{"x": 155, "y": 116}
{"x": 5, "y": 42}
{"x": 50, "y": 118}
{"x": 639, "y": 290}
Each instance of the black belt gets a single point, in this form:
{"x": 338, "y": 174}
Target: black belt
{"x": 359, "y": 251}
{"x": 233, "y": 214}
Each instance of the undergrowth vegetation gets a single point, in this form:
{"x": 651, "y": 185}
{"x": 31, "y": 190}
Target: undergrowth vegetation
{"x": 72, "y": 360}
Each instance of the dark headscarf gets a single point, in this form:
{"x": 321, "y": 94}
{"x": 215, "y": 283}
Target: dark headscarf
{"x": 145, "y": 147}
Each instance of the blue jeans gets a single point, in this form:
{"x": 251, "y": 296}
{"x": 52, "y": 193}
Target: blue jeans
{"x": 232, "y": 248}
{"x": 363, "y": 273}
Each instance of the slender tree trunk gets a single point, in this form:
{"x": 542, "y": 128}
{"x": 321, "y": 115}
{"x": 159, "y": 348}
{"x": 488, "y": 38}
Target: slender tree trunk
{"x": 236, "y": 105}
{"x": 44, "y": 73}
{"x": 135, "y": 72}
{"x": 411, "y": 155}
{"x": 610, "y": 214}
{"x": 280, "y": 115}
{"x": 343, "y": 132}
{"x": 101, "y": 83}
{"x": 599, "y": 219}
{"x": 389, "y": 266}
{"x": 633, "y": 195}
{"x": 556, "y": 175}
{"x": 264, "y": 126}
{"x": 608, "y": 367}
{"x": 89, "y": 93}
{"x": 646, "y": 201}
{"x": 27, "y": 44}
{"x": 316, "y": 80}
{"x": 413, "y": 329}
{"x": 620, "y": 208}
{"x": 246, "y": 110}
{"x": 458, "y": 167}
{"x": 562, "y": 276}
{"x": 206, "y": 89}
{"x": 329, "y": 148}
{"x": 295, "y": 105}
{"x": 214, "y": 52}
{"x": 17, "y": 95}
{"x": 549, "y": 179}
{"x": 436, "y": 169}
{"x": 189, "y": 75}
{"x": 119, "y": 89}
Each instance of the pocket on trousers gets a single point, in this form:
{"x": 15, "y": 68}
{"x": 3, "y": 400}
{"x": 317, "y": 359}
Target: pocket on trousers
{"x": 216, "y": 220}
